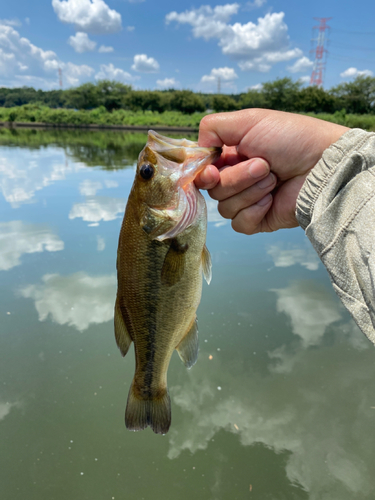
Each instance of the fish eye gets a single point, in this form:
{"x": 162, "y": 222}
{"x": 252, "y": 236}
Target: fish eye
{"x": 147, "y": 171}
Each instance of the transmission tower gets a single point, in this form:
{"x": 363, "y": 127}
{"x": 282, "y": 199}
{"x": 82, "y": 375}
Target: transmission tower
{"x": 320, "y": 50}
{"x": 60, "y": 78}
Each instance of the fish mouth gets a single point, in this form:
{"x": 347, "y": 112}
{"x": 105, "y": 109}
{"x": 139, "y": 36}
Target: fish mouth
{"x": 191, "y": 157}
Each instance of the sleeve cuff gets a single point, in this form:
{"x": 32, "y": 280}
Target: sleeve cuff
{"x": 319, "y": 176}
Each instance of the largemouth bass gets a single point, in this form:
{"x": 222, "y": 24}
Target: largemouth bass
{"x": 160, "y": 260}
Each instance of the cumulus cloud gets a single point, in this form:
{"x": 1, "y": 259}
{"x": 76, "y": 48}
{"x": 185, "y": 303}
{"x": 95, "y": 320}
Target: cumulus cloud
{"x": 253, "y": 46}
{"x": 213, "y": 215}
{"x": 18, "y": 238}
{"x": 303, "y": 415}
{"x": 22, "y": 63}
{"x": 167, "y": 83}
{"x": 91, "y": 16}
{"x": 145, "y": 64}
{"x": 81, "y": 42}
{"x": 98, "y": 208}
{"x": 354, "y": 72}
{"x": 226, "y": 76}
{"x": 311, "y": 310}
{"x": 104, "y": 49}
{"x": 24, "y": 172}
{"x": 110, "y": 72}
{"x": 301, "y": 65}
{"x": 287, "y": 255}
{"x": 76, "y": 300}
{"x": 304, "y": 79}
{"x": 89, "y": 188}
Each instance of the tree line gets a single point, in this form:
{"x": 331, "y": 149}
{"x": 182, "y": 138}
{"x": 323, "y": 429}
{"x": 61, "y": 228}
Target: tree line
{"x": 283, "y": 94}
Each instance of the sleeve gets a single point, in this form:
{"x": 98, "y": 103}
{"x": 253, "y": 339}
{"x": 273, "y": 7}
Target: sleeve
{"x": 336, "y": 208}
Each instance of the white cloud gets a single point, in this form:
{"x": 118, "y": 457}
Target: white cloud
{"x": 100, "y": 243}
{"x": 304, "y": 79}
{"x": 168, "y": 83}
{"x": 311, "y": 310}
{"x": 130, "y": 28}
{"x": 11, "y": 22}
{"x": 290, "y": 256}
{"x": 225, "y": 74}
{"x": 145, "y": 64}
{"x": 24, "y": 172}
{"x": 18, "y": 55}
{"x": 304, "y": 415}
{"x": 301, "y": 65}
{"x": 81, "y": 42}
{"x": 89, "y": 188}
{"x": 91, "y": 16}
{"x": 6, "y": 407}
{"x": 110, "y": 72}
{"x": 77, "y": 299}
{"x": 104, "y": 49}
{"x": 18, "y": 238}
{"x": 354, "y": 72}
{"x": 98, "y": 208}
{"x": 254, "y": 46}
{"x": 256, "y": 4}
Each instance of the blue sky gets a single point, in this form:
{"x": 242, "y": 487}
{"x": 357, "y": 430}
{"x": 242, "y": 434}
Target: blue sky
{"x": 184, "y": 45}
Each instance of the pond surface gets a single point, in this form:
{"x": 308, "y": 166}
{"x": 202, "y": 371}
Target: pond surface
{"x": 280, "y": 405}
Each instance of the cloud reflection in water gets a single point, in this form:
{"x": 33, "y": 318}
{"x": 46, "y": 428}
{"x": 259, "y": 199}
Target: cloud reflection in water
{"x": 18, "y": 238}
{"x": 77, "y": 300}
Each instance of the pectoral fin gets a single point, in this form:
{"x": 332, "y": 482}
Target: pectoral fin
{"x": 188, "y": 347}
{"x": 174, "y": 263}
{"x": 121, "y": 333}
{"x": 206, "y": 265}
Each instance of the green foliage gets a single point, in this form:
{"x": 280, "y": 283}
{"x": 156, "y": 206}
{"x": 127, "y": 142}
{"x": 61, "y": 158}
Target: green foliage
{"x": 222, "y": 102}
{"x": 281, "y": 94}
{"x": 316, "y": 100}
{"x": 186, "y": 102}
{"x": 357, "y": 96}
{"x": 252, "y": 99}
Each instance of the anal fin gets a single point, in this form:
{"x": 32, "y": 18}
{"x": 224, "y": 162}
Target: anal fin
{"x": 188, "y": 347}
{"x": 122, "y": 336}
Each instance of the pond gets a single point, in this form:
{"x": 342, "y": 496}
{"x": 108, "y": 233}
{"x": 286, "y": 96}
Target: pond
{"x": 280, "y": 405}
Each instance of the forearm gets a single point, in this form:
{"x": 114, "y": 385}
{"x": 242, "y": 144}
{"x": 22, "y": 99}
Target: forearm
{"x": 336, "y": 207}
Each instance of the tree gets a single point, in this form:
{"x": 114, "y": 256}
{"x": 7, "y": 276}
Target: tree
{"x": 186, "y": 102}
{"x": 357, "y": 96}
{"x": 252, "y": 99}
{"x": 316, "y": 100}
{"x": 222, "y": 102}
{"x": 281, "y": 94}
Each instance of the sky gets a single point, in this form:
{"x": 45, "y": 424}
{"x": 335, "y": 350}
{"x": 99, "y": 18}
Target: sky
{"x": 183, "y": 45}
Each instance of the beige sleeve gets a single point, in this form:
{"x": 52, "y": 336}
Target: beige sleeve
{"x": 336, "y": 207}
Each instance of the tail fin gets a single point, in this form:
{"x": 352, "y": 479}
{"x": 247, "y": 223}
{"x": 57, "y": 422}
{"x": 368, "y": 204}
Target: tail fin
{"x": 154, "y": 412}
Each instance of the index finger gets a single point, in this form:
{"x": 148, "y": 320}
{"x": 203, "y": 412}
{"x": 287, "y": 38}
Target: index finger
{"x": 226, "y": 128}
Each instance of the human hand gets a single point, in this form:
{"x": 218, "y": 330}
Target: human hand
{"x": 266, "y": 158}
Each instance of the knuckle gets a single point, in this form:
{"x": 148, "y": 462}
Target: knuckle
{"x": 223, "y": 210}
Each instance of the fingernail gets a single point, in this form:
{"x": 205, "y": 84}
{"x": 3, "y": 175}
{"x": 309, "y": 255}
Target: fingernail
{"x": 258, "y": 168}
{"x": 265, "y": 201}
{"x": 267, "y": 182}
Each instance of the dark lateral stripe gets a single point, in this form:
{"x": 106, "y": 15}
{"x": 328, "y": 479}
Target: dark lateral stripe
{"x": 152, "y": 297}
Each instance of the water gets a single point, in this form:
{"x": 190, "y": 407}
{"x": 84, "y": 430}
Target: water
{"x": 280, "y": 405}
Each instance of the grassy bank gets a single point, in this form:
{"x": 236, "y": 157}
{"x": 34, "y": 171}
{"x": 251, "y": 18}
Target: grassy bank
{"x": 31, "y": 113}
{"x": 100, "y": 116}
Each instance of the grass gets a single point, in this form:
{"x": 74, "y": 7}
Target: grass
{"x": 32, "y": 113}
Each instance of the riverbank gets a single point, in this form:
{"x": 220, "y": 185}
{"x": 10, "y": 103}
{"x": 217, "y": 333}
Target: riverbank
{"x": 37, "y": 116}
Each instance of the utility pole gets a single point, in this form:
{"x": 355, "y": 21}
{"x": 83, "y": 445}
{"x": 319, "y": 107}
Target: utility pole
{"x": 60, "y": 78}
{"x": 320, "y": 51}
{"x": 218, "y": 85}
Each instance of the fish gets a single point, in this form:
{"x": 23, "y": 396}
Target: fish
{"x": 161, "y": 258}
